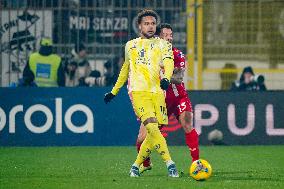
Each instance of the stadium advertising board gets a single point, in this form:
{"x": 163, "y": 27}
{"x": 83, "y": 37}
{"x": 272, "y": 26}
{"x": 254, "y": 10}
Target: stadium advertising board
{"x": 243, "y": 118}
{"x": 78, "y": 116}
{"x": 114, "y": 27}
{"x": 64, "y": 116}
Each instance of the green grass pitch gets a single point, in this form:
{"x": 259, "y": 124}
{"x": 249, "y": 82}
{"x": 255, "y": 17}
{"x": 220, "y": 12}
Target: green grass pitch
{"x": 107, "y": 167}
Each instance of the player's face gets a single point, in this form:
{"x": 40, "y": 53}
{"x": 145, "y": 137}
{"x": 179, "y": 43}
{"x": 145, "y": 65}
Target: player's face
{"x": 148, "y": 26}
{"x": 167, "y": 34}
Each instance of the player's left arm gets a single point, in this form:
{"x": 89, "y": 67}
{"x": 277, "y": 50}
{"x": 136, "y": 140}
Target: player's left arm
{"x": 178, "y": 74}
{"x": 168, "y": 64}
{"x": 168, "y": 59}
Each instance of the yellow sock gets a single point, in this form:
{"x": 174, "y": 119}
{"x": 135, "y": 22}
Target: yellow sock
{"x": 158, "y": 141}
{"x": 154, "y": 139}
{"x": 145, "y": 150}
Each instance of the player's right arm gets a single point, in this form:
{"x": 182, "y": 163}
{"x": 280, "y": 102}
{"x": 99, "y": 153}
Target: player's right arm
{"x": 179, "y": 60}
{"x": 122, "y": 78}
{"x": 177, "y": 77}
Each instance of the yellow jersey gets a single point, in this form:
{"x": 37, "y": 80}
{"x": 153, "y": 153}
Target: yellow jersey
{"x": 144, "y": 59}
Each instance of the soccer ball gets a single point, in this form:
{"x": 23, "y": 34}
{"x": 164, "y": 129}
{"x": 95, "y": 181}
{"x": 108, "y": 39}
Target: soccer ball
{"x": 200, "y": 170}
{"x": 215, "y": 136}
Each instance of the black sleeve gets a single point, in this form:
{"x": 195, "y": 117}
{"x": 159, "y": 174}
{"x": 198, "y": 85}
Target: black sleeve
{"x": 28, "y": 75}
{"x": 60, "y": 76}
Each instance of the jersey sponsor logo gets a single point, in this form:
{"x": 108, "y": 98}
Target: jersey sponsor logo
{"x": 142, "y": 53}
{"x": 143, "y": 59}
{"x": 175, "y": 90}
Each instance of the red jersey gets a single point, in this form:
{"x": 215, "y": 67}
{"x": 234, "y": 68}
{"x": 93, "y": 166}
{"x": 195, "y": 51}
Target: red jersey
{"x": 176, "y": 96}
{"x": 177, "y": 90}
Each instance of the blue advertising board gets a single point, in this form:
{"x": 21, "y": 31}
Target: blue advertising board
{"x": 79, "y": 117}
{"x": 65, "y": 116}
{"x": 254, "y": 118}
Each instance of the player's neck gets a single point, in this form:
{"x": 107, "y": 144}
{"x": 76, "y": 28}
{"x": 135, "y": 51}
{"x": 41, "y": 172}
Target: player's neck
{"x": 144, "y": 37}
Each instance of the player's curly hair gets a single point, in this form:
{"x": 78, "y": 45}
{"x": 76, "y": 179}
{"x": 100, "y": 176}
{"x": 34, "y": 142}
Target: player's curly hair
{"x": 162, "y": 26}
{"x": 146, "y": 12}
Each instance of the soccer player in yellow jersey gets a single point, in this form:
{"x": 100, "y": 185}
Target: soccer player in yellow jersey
{"x": 144, "y": 58}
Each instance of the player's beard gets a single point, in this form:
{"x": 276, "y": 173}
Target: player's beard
{"x": 148, "y": 35}
{"x": 170, "y": 41}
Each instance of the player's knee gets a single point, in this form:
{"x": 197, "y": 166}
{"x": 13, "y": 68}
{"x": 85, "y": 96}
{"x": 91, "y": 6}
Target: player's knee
{"x": 186, "y": 121}
{"x": 188, "y": 117}
{"x": 150, "y": 120}
{"x": 152, "y": 128}
{"x": 142, "y": 135}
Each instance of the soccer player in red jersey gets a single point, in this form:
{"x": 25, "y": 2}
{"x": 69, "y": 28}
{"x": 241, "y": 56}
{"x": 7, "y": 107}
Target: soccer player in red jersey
{"x": 177, "y": 101}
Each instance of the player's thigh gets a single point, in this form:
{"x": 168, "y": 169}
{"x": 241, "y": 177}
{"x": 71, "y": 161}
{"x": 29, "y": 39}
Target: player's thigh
{"x": 184, "y": 114}
{"x": 160, "y": 108}
{"x": 171, "y": 108}
{"x": 131, "y": 100}
{"x": 185, "y": 119}
{"x": 143, "y": 105}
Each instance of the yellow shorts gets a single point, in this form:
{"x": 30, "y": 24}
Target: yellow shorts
{"x": 147, "y": 104}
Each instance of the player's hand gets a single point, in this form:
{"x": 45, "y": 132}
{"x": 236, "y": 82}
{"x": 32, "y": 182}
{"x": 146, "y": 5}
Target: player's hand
{"x": 164, "y": 84}
{"x": 108, "y": 97}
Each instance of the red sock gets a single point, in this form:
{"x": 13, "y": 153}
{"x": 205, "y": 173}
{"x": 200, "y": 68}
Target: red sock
{"x": 192, "y": 142}
{"x": 147, "y": 161}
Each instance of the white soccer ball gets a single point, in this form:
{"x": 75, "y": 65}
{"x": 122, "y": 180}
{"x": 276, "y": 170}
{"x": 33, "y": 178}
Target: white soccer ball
{"x": 215, "y": 136}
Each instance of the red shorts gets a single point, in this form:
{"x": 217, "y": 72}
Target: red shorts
{"x": 178, "y": 105}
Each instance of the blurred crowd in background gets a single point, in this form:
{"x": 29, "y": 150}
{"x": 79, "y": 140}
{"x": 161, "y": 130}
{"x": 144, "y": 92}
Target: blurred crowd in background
{"x": 242, "y": 45}
{"x": 75, "y": 71}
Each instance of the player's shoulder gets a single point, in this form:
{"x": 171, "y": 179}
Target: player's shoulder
{"x": 178, "y": 53}
{"x": 163, "y": 44}
{"x": 179, "y": 58}
{"x": 132, "y": 42}
{"x": 162, "y": 41}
